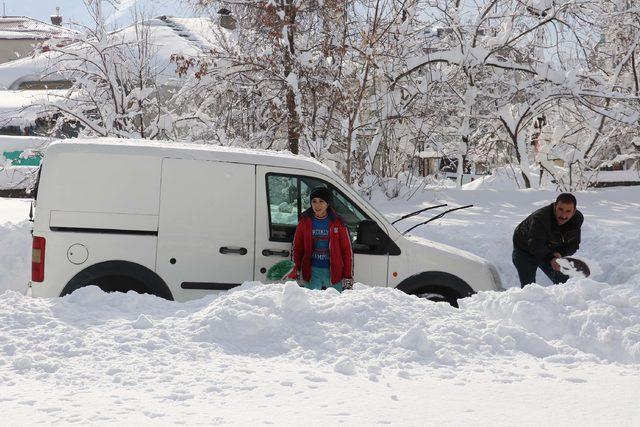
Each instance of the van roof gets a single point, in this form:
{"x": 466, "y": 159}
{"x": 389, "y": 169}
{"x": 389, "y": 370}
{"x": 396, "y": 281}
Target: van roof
{"x": 194, "y": 151}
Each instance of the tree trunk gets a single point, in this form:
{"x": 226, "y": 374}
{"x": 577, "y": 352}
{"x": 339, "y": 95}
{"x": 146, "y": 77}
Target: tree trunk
{"x": 523, "y": 159}
{"x": 293, "y": 122}
{"x": 462, "y": 148}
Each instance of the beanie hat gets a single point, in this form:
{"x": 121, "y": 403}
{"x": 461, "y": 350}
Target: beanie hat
{"x": 321, "y": 193}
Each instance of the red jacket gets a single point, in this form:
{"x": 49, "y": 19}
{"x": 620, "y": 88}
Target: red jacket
{"x": 340, "y": 252}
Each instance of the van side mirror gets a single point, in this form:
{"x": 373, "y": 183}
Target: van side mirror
{"x": 372, "y": 239}
{"x": 369, "y": 233}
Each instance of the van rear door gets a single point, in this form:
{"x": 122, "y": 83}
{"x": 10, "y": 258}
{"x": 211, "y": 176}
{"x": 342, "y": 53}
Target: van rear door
{"x": 206, "y": 226}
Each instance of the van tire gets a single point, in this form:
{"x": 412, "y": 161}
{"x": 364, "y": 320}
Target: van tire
{"x": 119, "y": 276}
{"x": 438, "y": 295}
{"x": 437, "y": 286}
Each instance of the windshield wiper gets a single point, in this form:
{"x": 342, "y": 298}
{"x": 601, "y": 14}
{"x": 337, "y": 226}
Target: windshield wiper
{"x": 409, "y": 215}
{"x": 440, "y": 215}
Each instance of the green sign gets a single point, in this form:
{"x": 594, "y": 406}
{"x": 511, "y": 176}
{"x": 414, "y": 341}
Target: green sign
{"x": 16, "y": 160}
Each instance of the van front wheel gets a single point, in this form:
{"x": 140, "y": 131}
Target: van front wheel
{"x": 119, "y": 276}
{"x": 436, "y": 286}
{"x": 436, "y": 296}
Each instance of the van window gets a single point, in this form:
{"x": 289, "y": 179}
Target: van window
{"x": 282, "y": 195}
{"x": 288, "y": 197}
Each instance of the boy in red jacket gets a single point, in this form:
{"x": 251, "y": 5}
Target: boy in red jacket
{"x": 322, "y": 246}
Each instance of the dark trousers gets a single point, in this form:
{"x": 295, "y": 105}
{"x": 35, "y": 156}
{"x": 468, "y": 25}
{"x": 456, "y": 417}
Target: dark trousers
{"x": 527, "y": 264}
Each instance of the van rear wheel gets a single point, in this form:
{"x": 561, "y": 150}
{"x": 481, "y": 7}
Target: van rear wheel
{"x": 119, "y": 276}
{"x": 118, "y": 283}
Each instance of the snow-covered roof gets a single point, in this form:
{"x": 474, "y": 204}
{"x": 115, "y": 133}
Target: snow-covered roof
{"x": 23, "y": 107}
{"x": 29, "y": 68}
{"x": 428, "y": 154}
{"x": 201, "y": 32}
{"x": 20, "y": 143}
{"x": 186, "y": 151}
{"x": 169, "y": 35}
{"x": 17, "y": 99}
{"x": 23, "y": 27}
{"x": 186, "y": 36}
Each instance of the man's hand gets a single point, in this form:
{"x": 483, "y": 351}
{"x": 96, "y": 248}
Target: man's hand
{"x": 554, "y": 263}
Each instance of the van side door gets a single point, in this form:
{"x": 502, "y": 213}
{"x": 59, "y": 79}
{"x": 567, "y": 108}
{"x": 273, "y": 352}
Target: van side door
{"x": 282, "y": 194}
{"x": 206, "y": 226}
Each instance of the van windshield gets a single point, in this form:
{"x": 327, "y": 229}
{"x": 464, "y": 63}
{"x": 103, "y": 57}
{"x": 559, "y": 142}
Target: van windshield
{"x": 365, "y": 202}
{"x": 373, "y": 208}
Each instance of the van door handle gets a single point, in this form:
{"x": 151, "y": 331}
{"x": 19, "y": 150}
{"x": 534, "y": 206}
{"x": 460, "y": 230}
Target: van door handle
{"x": 240, "y": 251}
{"x": 270, "y": 252}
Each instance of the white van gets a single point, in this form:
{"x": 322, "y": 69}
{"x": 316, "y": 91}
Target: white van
{"x": 179, "y": 221}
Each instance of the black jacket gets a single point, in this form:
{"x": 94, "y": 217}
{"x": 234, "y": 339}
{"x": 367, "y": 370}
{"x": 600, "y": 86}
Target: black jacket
{"x": 540, "y": 235}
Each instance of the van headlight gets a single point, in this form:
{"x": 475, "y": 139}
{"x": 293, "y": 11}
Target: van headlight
{"x": 497, "y": 283}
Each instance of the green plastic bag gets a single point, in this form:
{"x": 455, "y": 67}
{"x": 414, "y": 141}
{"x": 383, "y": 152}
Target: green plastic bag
{"x": 280, "y": 270}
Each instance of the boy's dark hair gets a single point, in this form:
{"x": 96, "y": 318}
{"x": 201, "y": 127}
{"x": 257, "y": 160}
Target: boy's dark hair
{"x": 567, "y": 198}
{"x": 322, "y": 193}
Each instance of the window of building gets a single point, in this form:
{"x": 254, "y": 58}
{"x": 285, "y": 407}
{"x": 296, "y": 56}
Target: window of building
{"x": 44, "y": 85}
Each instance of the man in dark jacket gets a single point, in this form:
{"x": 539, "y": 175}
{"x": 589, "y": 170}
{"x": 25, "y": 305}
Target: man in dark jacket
{"x": 544, "y": 236}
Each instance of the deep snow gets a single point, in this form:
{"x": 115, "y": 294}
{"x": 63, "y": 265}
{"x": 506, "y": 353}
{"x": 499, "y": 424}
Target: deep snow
{"x": 565, "y": 355}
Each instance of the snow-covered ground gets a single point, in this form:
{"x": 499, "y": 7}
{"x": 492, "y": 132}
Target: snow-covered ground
{"x": 261, "y": 354}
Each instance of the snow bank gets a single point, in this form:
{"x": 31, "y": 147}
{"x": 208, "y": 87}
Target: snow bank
{"x": 559, "y": 355}
{"x": 582, "y": 317}
{"x": 15, "y": 255}
{"x": 364, "y": 331}
{"x": 15, "y": 244}
{"x": 504, "y": 178}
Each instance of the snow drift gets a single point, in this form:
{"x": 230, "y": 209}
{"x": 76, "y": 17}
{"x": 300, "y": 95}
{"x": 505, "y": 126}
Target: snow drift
{"x": 360, "y": 331}
{"x": 560, "y": 355}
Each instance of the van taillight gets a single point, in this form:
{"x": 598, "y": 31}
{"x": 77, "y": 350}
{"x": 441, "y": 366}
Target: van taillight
{"x": 37, "y": 259}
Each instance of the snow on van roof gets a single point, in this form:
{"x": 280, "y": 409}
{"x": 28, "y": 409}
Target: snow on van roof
{"x": 191, "y": 150}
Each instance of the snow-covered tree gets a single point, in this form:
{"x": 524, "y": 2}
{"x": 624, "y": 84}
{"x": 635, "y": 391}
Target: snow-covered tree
{"x": 120, "y": 86}
{"x": 269, "y": 56}
{"x": 366, "y": 85}
{"x": 505, "y": 64}
{"x": 309, "y": 76}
